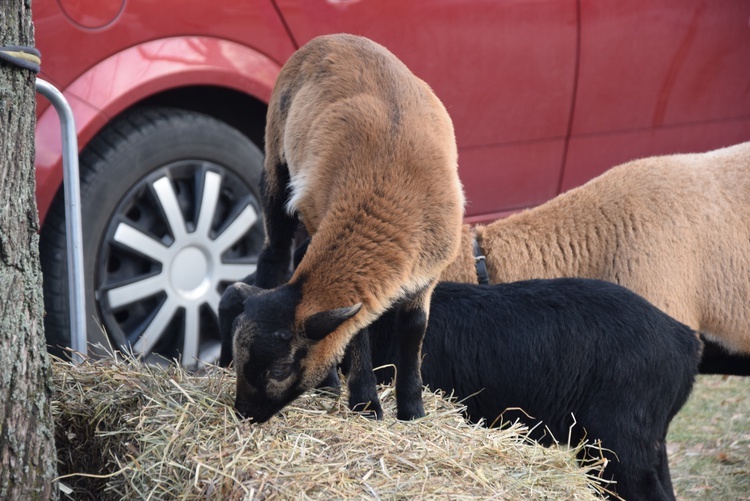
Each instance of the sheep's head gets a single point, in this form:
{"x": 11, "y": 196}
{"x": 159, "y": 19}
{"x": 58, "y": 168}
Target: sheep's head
{"x": 270, "y": 351}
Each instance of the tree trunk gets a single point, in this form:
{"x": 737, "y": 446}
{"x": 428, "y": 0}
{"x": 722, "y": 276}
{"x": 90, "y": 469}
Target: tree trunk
{"x": 27, "y": 449}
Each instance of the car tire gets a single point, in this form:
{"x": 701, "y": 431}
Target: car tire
{"x": 170, "y": 216}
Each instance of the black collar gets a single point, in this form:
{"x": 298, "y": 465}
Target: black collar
{"x": 479, "y": 261}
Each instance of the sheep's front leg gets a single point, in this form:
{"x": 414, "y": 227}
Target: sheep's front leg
{"x": 412, "y": 324}
{"x": 361, "y": 381}
{"x": 331, "y": 385}
{"x": 276, "y": 255}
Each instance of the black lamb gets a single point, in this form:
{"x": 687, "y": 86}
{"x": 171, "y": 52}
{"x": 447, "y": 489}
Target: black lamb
{"x": 582, "y": 357}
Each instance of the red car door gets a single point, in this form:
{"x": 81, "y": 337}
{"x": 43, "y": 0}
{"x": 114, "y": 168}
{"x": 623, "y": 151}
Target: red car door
{"x": 658, "y": 78}
{"x": 504, "y": 69}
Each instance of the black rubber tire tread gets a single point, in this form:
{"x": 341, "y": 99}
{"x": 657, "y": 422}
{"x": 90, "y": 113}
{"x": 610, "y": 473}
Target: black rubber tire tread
{"x": 121, "y": 137}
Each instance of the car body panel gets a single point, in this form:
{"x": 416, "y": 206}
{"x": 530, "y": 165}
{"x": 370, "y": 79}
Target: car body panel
{"x": 544, "y": 94}
{"x": 678, "y": 62}
{"x": 504, "y": 70}
{"x": 680, "y": 82}
{"x": 252, "y": 23}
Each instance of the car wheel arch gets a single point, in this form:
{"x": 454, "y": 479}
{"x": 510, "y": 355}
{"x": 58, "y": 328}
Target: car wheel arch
{"x": 247, "y": 75}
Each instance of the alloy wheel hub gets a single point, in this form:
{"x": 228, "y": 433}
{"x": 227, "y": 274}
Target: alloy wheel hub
{"x": 189, "y": 274}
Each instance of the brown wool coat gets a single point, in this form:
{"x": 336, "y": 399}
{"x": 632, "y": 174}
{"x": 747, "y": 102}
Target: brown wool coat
{"x": 675, "y": 229}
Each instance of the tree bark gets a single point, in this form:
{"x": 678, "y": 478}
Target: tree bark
{"x": 27, "y": 449}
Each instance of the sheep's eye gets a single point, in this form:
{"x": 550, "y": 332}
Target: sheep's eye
{"x": 280, "y": 372}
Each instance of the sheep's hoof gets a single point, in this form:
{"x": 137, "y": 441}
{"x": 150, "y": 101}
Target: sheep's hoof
{"x": 370, "y": 410}
{"x": 410, "y": 413}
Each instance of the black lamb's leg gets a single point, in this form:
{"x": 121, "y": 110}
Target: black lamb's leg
{"x": 363, "y": 392}
{"x": 276, "y": 255}
{"x": 331, "y": 385}
{"x": 634, "y": 461}
{"x": 718, "y": 360}
{"x": 412, "y": 324}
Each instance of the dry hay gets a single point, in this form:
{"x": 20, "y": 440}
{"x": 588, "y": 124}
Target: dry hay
{"x": 130, "y": 431}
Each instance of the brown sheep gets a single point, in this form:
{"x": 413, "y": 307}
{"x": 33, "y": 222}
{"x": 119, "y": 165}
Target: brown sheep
{"x": 674, "y": 229}
{"x": 363, "y": 154}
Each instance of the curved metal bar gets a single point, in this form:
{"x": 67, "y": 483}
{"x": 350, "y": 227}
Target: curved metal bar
{"x": 73, "y": 227}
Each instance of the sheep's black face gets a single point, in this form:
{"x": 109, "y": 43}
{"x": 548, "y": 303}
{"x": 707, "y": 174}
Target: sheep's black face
{"x": 270, "y": 356}
{"x": 267, "y": 353}
{"x": 275, "y": 387}
{"x": 270, "y": 375}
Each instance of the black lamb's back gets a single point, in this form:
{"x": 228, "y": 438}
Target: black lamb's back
{"x": 556, "y": 349}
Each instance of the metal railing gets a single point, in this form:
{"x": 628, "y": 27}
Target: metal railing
{"x": 71, "y": 183}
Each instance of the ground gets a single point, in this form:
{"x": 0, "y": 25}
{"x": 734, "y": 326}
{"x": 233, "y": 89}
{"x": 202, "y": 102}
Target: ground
{"x": 709, "y": 441}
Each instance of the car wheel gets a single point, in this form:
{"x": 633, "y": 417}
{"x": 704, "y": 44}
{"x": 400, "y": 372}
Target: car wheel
{"x": 170, "y": 216}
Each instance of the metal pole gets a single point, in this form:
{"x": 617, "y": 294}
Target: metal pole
{"x": 73, "y": 227}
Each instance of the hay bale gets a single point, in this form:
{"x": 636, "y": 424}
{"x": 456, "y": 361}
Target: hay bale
{"x": 131, "y": 431}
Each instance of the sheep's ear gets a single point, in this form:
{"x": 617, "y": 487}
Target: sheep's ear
{"x": 246, "y": 290}
{"x": 231, "y": 306}
{"x": 321, "y": 324}
{"x": 234, "y": 296}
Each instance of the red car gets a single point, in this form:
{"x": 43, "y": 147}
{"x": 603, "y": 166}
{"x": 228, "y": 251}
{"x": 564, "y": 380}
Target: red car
{"x": 170, "y": 101}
